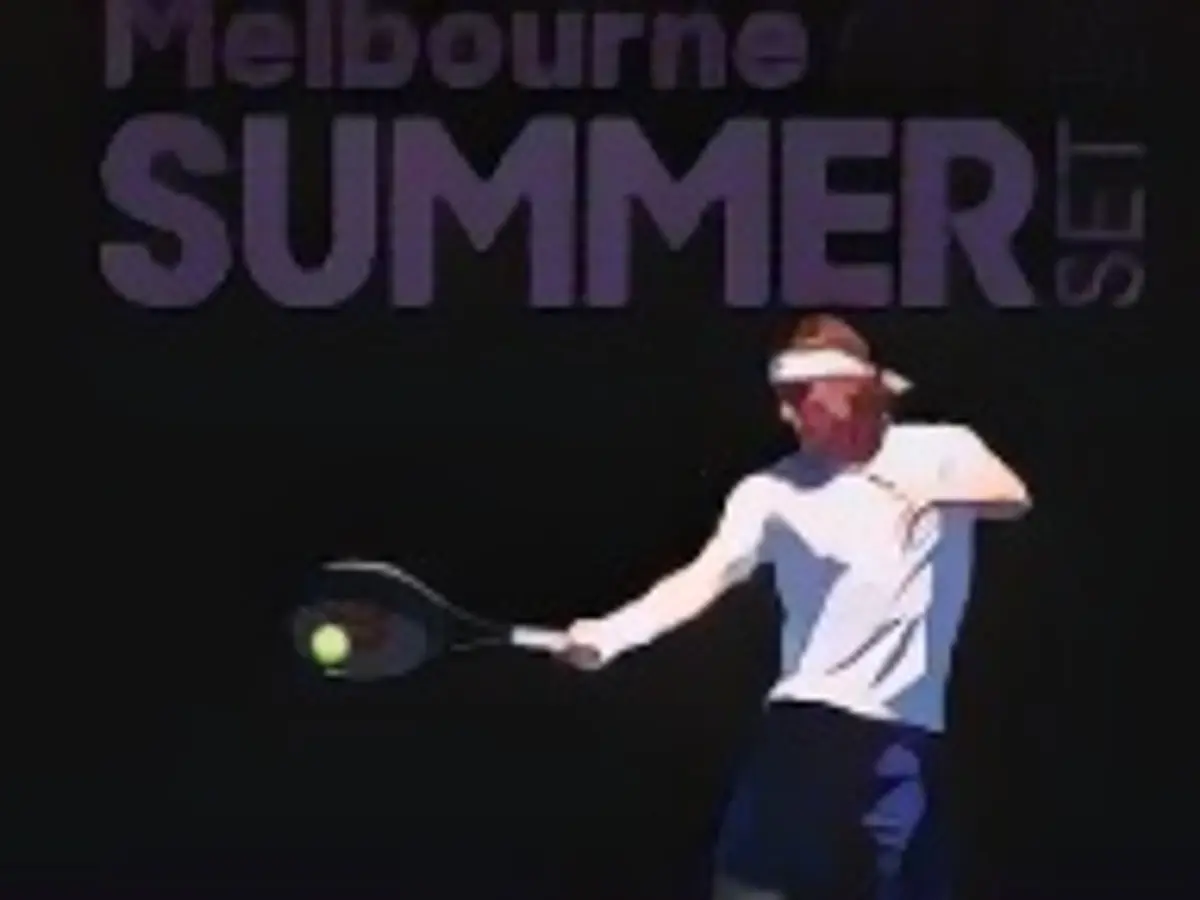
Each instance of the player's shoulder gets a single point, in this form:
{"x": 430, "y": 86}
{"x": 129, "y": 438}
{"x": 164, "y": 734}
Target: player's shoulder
{"x": 778, "y": 480}
{"x": 926, "y": 435}
{"x": 765, "y": 482}
{"x": 917, "y": 445}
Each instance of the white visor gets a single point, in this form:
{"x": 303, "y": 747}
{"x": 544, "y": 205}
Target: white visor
{"x": 794, "y": 366}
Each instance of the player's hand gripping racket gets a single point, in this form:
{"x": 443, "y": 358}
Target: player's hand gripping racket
{"x": 365, "y": 620}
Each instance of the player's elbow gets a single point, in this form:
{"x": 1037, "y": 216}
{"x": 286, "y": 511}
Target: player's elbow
{"x": 1008, "y": 509}
{"x": 981, "y": 478}
{"x": 1005, "y": 495}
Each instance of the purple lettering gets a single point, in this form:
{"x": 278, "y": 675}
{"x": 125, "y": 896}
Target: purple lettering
{"x": 318, "y": 44}
{"x": 537, "y": 170}
{"x": 205, "y": 256}
{"x": 611, "y": 31}
{"x": 673, "y": 34}
{"x": 811, "y": 212}
{"x": 466, "y": 50}
{"x": 771, "y": 50}
{"x": 1104, "y": 224}
{"x": 260, "y": 49}
{"x": 565, "y": 70}
{"x": 984, "y": 232}
{"x": 1118, "y": 276}
{"x": 363, "y": 33}
{"x": 354, "y": 179}
{"x": 156, "y": 22}
{"x": 733, "y": 171}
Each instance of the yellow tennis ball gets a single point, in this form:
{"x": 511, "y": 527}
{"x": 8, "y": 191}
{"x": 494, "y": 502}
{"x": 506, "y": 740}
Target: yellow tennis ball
{"x": 330, "y": 644}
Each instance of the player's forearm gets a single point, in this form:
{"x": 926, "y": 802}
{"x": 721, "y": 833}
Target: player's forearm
{"x": 674, "y": 600}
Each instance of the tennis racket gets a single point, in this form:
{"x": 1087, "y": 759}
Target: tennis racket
{"x": 395, "y": 623}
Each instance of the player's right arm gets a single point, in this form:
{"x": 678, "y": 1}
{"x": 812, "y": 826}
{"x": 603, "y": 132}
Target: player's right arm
{"x": 731, "y": 554}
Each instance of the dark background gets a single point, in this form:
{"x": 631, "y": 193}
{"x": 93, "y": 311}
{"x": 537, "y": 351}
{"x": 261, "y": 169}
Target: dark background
{"x": 539, "y": 467}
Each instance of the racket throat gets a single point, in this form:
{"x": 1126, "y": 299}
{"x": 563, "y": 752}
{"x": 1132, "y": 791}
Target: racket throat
{"x": 545, "y": 639}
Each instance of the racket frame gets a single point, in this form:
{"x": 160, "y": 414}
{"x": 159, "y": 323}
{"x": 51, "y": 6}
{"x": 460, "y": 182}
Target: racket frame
{"x": 546, "y": 640}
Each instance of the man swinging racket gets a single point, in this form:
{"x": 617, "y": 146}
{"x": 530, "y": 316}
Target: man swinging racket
{"x": 869, "y": 530}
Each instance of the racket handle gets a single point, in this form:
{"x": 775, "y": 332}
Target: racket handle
{"x": 539, "y": 639}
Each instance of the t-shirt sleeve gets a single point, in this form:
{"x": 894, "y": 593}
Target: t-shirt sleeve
{"x": 944, "y": 459}
{"x": 956, "y": 448}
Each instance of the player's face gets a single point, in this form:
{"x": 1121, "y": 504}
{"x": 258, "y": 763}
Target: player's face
{"x": 840, "y": 418}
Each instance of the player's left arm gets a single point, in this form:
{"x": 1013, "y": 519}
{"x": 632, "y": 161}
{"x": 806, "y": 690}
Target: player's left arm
{"x": 970, "y": 473}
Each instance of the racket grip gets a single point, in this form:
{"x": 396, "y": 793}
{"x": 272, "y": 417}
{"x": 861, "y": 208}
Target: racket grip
{"x": 539, "y": 639}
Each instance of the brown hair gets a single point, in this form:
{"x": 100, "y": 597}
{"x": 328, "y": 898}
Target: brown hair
{"x": 822, "y": 331}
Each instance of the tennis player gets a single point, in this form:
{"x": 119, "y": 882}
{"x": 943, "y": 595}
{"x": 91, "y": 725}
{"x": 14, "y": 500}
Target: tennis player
{"x": 869, "y": 529}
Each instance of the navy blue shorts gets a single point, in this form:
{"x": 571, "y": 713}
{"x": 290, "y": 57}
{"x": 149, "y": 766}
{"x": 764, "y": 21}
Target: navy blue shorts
{"x": 830, "y": 805}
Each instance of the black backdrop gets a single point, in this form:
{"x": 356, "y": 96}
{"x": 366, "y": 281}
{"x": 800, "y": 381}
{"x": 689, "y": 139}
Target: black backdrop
{"x": 539, "y": 466}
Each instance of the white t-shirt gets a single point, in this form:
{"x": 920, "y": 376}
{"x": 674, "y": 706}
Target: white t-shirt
{"x": 872, "y": 597}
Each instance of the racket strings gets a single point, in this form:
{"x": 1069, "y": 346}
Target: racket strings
{"x": 420, "y": 625}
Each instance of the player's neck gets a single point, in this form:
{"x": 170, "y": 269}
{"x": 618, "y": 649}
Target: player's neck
{"x": 834, "y": 463}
